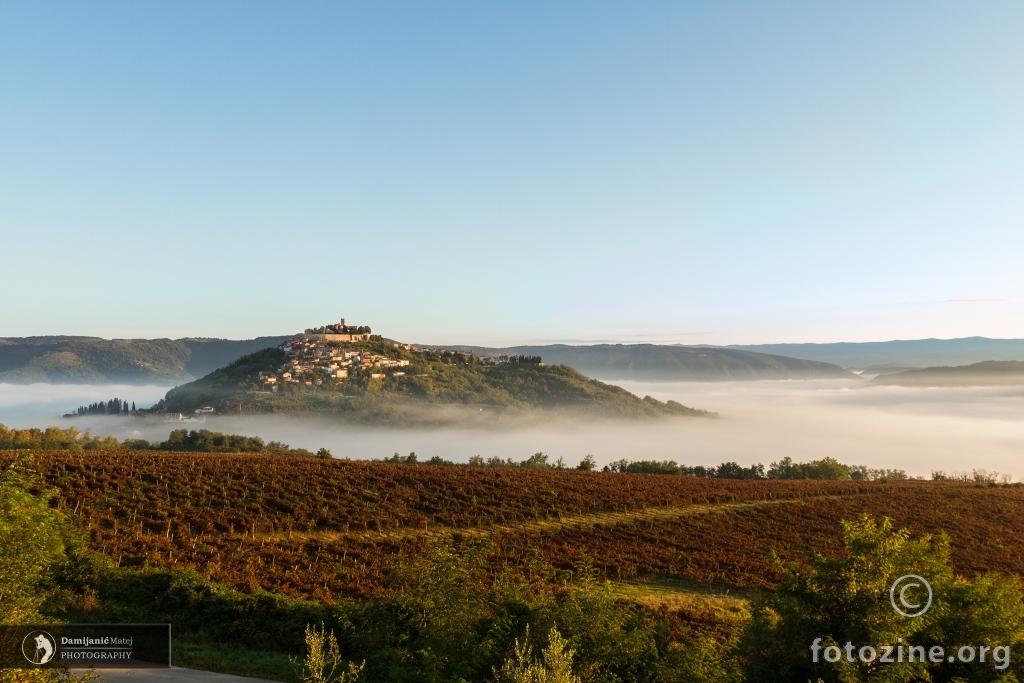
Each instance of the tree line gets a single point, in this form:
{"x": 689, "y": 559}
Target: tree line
{"x": 537, "y": 461}
{"x": 53, "y": 438}
{"x": 114, "y": 406}
{"x": 519, "y": 359}
{"x": 179, "y": 440}
{"x": 206, "y": 441}
{"x": 785, "y": 469}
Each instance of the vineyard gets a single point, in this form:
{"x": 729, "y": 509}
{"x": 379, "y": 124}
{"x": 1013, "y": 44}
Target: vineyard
{"x": 332, "y": 529}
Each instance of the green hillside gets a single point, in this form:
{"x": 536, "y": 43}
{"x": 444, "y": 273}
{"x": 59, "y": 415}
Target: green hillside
{"x": 90, "y": 360}
{"x": 432, "y": 381}
{"x": 87, "y": 360}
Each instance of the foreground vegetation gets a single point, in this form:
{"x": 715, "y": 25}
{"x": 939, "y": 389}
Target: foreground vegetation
{"x": 329, "y": 529}
{"x": 460, "y": 608}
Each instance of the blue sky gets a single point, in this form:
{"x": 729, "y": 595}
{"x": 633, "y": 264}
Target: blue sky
{"x": 500, "y": 172}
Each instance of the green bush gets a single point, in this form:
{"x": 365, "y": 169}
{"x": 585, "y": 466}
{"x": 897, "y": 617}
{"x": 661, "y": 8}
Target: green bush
{"x": 32, "y": 540}
{"x": 846, "y": 600}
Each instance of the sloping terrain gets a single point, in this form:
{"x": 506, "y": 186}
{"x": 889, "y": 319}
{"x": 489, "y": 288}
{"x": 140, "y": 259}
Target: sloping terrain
{"x": 986, "y": 373}
{"x": 91, "y": 360}
{"x": 327, "y": 529}
{"x": 914, "y": 352}
{"x": 433, "y": 381}
{"x": 656, "y": 362}
{"x": 886, "y": 369}
{"x": 206, "y": 355}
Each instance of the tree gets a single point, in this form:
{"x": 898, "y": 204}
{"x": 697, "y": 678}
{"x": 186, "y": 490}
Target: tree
{"x": 587, "y": 464}
{"x": 537, "y": 461}
{"x": 837, "y": 610}
{"x": 826, "y": 468}
{"x": 324, "y": 454}
{"x": 323, "y": 657}
{"x": 555, "y": 666}
{"x": 732, "y": 470}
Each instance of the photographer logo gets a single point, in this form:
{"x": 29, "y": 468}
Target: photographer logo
{"x": 911, "y": 595}
{"x": 38, "y": 647}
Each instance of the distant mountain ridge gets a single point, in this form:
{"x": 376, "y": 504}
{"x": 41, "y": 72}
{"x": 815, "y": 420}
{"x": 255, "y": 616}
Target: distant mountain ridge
{"x": 986, "y": 373}
{"x": 915, "y": 352}
{"x": 92, "y": 360}
{"x": 655, "y": 362}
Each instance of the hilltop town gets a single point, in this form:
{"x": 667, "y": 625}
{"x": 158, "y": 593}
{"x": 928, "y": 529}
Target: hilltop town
{"x": 318, "y": 356}
{"x": 354, "y": 374}
{"x": 332, "y": 354}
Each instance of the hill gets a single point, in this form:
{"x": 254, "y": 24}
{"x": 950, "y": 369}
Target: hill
{"x": 91, "y": 360}
{"x": 373, "y": 389}
{"x": 655, "y": 362}
{"x": 886, "y": 369}
{"x": 986, "y": 373}
{"x": 916, "y": 352}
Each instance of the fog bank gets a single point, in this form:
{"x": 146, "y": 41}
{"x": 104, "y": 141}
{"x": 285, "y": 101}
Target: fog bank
{"x": 39, "y": 405}
{"x": 916, "y": 429}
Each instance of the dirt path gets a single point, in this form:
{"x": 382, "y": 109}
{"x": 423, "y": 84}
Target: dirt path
{"x": 563, "y": 521}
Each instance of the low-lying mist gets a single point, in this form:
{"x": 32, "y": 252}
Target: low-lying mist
{"x": 39, "y": 405}
{"x": 915, "y": 429}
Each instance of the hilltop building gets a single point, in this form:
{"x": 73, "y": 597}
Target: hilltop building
{"x": 339, "y": 332}
{"x": 320, "y": 355}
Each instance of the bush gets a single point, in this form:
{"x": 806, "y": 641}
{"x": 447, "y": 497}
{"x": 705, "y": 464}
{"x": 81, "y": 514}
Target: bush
{"x": 32, "y": 539}
{"x": 844, "y": 601}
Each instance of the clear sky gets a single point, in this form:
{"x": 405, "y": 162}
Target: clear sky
{"x": 702, "y": 172}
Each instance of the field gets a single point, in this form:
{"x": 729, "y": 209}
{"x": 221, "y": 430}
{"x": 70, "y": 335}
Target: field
{"x": 332, "y": 529}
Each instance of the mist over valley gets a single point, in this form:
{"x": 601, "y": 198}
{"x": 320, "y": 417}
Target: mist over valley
{"x": 916, "y": 429}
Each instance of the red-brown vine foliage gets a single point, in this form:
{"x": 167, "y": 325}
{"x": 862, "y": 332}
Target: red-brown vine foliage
{"x": 328, "y": 529}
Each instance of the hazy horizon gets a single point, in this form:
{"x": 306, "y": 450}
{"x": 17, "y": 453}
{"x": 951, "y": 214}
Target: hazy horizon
{"x": 530, "y": 341}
